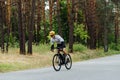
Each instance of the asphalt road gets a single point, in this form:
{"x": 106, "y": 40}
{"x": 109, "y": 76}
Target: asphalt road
{"x": 107, "y": 68}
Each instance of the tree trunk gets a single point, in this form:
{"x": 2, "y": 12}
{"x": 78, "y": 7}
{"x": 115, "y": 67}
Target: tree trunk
{"x": 58, "y": 18}
{"x": 8, "y": 10}
{"x": 38, "y": 21}
{"x": 20, "y": 29}
{"x": 70, "y": 24}
{"x": 116, "y": 26}
{"x": 106, "y": 31}
{"x": 1, "y": 27}
{"x": 23, "y": 28}
{"x": 44, "y": 20}
{"x": 50, "y": 12}
{"x": 31, "y": 28}
{"x": 105, "y": 39}
{"x": 91, "y": 20}
{"x": 20, "y": 25}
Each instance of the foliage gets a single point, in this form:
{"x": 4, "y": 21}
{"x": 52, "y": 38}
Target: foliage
{"x": 106, "y": 18}
{"x": 64, "y": 23}
{"x": 103, "y": 9}
{"x": 80, "y": 31}
{"x": 80, "y": 17}
{"x": 111, "y": 37}
{"x": 113, "y": 46}
{"x": 79, "y": 47}
{"x": 63, "y": 19}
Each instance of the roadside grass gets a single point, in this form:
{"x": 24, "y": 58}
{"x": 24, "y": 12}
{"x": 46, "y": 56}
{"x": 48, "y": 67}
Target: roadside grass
{"x": 16, "y": 62}
{"x": 13, "y": 61}
{"x": 92, "y": 54}
{"x": 42, "y": 57}
{"x": 6, "y": 67}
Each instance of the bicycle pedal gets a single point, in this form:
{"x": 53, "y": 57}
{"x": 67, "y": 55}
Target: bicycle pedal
{"x": 62, "y": 63}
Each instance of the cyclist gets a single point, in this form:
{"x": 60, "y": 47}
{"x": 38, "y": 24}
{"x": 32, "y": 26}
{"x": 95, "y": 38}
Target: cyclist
{"x": 59, "y": 40}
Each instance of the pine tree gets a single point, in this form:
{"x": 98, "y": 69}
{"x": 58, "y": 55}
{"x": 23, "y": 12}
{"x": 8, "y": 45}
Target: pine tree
{"x": 91, "y": 21}
{"x": 70, "y": 24}
{"x": 31, "y": 25}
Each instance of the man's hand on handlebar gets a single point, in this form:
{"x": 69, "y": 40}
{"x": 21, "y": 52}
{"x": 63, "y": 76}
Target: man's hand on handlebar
{"x": 52, "y": 48}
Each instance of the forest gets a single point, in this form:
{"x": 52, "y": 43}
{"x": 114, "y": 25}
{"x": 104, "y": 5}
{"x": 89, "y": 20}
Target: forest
{"x": 93, "y": 23}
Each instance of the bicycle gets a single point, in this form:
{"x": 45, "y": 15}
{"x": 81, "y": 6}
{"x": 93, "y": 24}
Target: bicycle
{"x": 60, "y": 59}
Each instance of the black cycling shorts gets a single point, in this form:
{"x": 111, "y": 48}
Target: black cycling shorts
{"x": 61, "y": 46}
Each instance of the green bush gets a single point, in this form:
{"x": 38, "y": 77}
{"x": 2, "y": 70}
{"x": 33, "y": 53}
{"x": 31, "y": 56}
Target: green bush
{"x": 113, "y": 46}
{"x": 79, "y": 47}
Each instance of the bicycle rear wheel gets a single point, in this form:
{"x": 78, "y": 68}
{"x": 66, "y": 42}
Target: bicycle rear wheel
{"x": 68, "y": 61}
{"x": 56, "y": 62}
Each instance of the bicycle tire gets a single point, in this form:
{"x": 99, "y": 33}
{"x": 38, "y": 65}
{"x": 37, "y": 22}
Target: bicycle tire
{"x": 68, "y": 62}
{"x": 56, "y": 62}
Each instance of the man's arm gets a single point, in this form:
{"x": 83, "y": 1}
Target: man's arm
{"x": 52, "y": 45}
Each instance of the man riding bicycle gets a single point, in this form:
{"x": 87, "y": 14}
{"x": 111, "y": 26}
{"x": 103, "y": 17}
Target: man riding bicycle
{"x": 59, "y": 58}
{"x": 59, "y": 40}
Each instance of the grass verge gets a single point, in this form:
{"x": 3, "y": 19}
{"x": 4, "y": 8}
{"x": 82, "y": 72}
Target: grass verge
{"x": 42, "y": 57}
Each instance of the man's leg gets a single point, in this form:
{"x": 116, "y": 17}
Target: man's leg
{"x": 64, "y": 51}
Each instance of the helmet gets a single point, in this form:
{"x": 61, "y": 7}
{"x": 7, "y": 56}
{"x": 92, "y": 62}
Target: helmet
{"x": 51, "y": 33}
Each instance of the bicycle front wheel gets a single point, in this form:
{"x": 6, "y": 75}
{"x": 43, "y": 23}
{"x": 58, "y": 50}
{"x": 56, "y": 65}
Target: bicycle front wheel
{"x": 56, "y": 62}
{"x": 68, "y": 61}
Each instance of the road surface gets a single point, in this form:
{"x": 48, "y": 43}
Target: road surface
{"x": 107, "y": 68}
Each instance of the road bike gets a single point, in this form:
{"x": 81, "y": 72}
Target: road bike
{"x": 60, "y": 59}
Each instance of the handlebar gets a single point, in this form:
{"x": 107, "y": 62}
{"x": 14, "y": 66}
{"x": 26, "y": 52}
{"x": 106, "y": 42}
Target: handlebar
{"x": 59, "y": 49}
